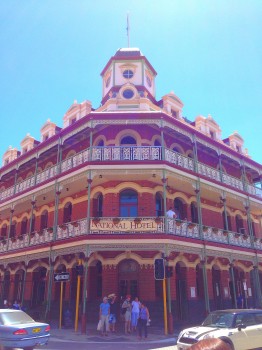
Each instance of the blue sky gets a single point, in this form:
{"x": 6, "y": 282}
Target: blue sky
{"x": 208, "y": 52}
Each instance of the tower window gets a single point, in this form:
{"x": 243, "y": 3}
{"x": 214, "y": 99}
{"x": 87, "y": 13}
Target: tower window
{"x": 128, "y": 74}
{"x": 128, "y": 93}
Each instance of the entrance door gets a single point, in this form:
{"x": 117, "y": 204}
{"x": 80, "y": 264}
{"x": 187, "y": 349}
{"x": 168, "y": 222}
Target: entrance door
{"x": 128, "y": 278}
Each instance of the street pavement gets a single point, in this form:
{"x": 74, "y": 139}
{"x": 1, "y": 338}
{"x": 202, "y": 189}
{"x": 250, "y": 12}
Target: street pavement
{"x": 155, "y": 336}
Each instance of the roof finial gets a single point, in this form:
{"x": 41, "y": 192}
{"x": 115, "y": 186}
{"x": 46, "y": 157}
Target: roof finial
{"x": 127, "y": 29}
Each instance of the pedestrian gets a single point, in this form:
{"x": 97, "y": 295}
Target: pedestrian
{"x": 240, "y": 301}
{"x": 16, "y": 305}
{"x": 104, "y": 313}
{"x": 171, "y": 214}
{"x": 143, "y": 321}
{"x": 126, "y": 310}
{"x": 113, "y": 312}
{"x": 135, "y": 313}
{"x": 6, "y": 304}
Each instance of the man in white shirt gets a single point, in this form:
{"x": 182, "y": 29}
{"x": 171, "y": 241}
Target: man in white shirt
{"x": 171, "y": 214}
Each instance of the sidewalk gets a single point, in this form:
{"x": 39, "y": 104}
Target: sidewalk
{"x": 155, "y": 335}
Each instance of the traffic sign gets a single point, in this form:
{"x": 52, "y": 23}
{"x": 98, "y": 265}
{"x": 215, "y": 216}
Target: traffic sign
{"x": 62, "y": 277}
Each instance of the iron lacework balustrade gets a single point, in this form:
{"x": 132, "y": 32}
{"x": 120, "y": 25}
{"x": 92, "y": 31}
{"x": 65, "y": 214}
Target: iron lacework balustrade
{"x": 130, "y": 226}
{"x": 127, "y": 154}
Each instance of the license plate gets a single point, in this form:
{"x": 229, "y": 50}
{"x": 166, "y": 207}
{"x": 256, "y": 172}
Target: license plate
{"x": 36, "y": 330}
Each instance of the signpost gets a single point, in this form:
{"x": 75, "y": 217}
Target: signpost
{"x": 61, "y": 277}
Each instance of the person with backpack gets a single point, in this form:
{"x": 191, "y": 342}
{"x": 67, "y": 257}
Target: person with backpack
{"x": 126, "y": 310}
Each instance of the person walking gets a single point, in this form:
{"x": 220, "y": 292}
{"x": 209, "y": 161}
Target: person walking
{"x": 113, "y": 312}
{"x": 143, "y": 320}
{"x": 135, "y": 313}
{"x": 104, "y": 312}
{"x": 127, "y": 313}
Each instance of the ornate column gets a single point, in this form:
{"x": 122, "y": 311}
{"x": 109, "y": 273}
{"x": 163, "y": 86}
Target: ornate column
{"x": 33, "y": 201}
{"x": 83, "y": 320}
{"x": 220, "y": 166}
{"x": 257, "y": 285}
{"x": 24, "y": 282}
{"x": 196, "y": 187}
{"x": 204, "y": 271}
{"x": 59, "y": 156}
{"x": 91, "y": 142}
{"x": 162, "y": 141}
{"x": 10, "y": 225}
{"x": 246, "y": 204}
{"x": 58, "y": 189}
{"x": 164, "y": 181}
{"x": 231, "y": 271}
{"x": 15, "y": 182}
{"x": 89, "y": 183}
{"x": 243, "y": 172}
{"x": 194, "y": 144}
{"x": 36, "y": 168}
{"x": 49, "y": 291}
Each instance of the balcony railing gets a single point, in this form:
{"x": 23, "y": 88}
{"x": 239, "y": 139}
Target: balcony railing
{"x": 130, "y": 226}
{"x": 127, "y": 153}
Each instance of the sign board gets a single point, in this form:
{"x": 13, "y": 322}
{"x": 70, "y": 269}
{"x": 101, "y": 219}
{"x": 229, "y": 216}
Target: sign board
{"x": 62, "y": 277}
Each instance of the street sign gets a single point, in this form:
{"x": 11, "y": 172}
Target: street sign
{"x": 62, "y": 277}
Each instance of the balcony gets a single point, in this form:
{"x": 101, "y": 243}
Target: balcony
{"x": 127, "y": 154}
{"x": 135, "y": 227}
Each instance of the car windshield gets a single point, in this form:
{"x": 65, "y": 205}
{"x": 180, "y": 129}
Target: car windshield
{"x": 219, "y": 319}
{"x": 7, "y": 318}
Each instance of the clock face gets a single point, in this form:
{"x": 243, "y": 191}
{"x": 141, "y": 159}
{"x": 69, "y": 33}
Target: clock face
{"x": 149, "y": 81}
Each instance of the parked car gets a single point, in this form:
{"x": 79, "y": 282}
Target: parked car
{"x": 19, "y": 330}
{"x": 240, "y": 328}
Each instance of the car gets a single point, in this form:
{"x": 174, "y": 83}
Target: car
{"x": 241, "y": 329}
{"x": 19, "y": 330}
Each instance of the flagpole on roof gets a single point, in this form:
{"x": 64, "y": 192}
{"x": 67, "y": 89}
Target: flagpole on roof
{"x": 127, "y": 29}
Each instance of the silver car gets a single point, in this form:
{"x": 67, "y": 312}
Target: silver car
{"x": 19, "y": 330}
{"x": 240, "y": 329}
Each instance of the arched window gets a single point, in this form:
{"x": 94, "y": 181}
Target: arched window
{"x": 100, "y": 205}
{"x": 176, "y": 149}
{"x": 228, "y": 221}
{"x": 194, "y": 212}
{"x": 23, "y": 230}
{"x": 128, "y": 140}
{"x": 128, "y": 203}
{"x": 159, "y": 205}
{"x": 33, "y": 223}
{"x": 67, "y": 217}
{"x": 4, "y": 230}
{"x": 180, "y": 209}
{"x": 44, "y": 220}
{"x": 239, "y": 224}
{"x": 13, "y": 229}
{"x": 100, "y": 143}
{"x": 157, "y": 143}
{"x": 253, "y": 228}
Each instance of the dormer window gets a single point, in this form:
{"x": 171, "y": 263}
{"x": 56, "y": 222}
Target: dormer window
{"x": 128, "y": 93}
{"x": 73, "y": 120}
{"x": 212, "y": 135}
{"x": 128, "y": 74}
{"x": 46, "y": 137}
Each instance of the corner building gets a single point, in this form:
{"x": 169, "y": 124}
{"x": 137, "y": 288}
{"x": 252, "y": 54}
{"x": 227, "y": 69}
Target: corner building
{"x": 95, "y": 192}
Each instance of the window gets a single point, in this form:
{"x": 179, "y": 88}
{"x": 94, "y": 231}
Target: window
{"x": 194, "y": 212}
{"x": 128, "y": 93}
{"x": 128, "y": 203}
{"x": 44, "y": 220}
{"x": 128, "y": 74}
{"x": 159, "y": 201}
{"x": 128, "y": 140}
{"x": 100, "y": 205}
{"x": 67, "y": 212}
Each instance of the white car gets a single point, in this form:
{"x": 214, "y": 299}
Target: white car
{"x": 240, "y": 328}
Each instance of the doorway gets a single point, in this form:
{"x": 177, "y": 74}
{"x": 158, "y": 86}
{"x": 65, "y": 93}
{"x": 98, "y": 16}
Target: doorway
{"x": 128, "y": 278}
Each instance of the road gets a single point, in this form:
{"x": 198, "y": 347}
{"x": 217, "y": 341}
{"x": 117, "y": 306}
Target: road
{"x": 108, "y": 345}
